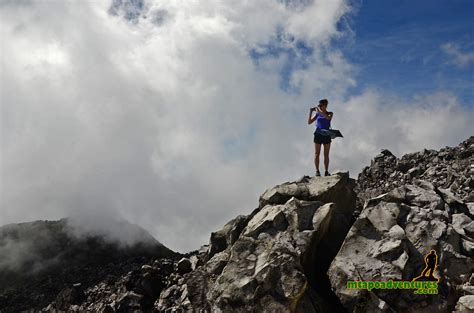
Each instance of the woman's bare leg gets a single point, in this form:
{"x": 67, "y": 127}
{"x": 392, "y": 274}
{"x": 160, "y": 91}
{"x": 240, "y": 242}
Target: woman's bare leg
{"x": 327, "y": 146}
{"x": 317, "y": 150}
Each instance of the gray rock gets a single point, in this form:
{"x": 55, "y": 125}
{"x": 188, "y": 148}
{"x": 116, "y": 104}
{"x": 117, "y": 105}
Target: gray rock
{"x": 269, "y": 271}
{"x": 267, "y": 265}
{"x": 325, "y": 189}
{"x": 462, "y": 223}
{"x": 129, "y": 301}
{"x": 225, "y": 237}
{"x": 217, "y": 263}
{"x": 184, "y": 266}
{"x": 388, "y": 241}
{"x": 465, "y": 304}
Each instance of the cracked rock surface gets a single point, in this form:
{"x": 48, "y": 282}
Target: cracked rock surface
{"x": 389, "y": 240}
{"x": 270, "y": 265}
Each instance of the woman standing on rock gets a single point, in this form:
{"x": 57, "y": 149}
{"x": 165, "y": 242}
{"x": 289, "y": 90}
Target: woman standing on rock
{"x": 323, "y": 122}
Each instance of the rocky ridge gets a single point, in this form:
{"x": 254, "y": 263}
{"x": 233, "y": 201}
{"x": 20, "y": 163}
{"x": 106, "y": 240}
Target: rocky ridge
{"x": 449, "y": 168}
{"x": 297, "y": 249}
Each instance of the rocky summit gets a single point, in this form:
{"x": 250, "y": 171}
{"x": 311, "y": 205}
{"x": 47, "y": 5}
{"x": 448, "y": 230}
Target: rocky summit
{"x": 271, "y": 260}
{"x": 308, "y": 241}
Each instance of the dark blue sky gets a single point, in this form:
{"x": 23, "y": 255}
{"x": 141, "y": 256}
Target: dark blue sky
{"x": 398, "y": 46}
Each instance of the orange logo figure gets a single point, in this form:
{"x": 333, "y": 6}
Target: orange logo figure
{"x": 431, "y": 262}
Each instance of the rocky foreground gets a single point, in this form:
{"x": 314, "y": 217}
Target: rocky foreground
{"x": 296, "y": 251}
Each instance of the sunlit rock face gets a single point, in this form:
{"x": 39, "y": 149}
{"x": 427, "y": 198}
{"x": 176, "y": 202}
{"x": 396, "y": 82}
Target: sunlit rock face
{"x": 271, "y": 260}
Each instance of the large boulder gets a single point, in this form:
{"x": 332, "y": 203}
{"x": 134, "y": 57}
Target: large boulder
{"x": 325, "y": 189}
{"x": 265, "y": 268}
{"x": 465, "y": 304}
{"x": 389, "y": 240}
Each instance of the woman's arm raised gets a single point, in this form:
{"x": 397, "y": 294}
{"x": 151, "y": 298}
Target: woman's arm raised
{"x": 310, "y": 120}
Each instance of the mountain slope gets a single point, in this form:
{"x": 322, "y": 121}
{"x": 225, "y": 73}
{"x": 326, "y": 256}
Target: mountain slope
{"x": 40, "y": 258}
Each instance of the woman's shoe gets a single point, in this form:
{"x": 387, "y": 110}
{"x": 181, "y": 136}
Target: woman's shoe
{"x": 327, "y": 173}
{"x": 318, "y": 173}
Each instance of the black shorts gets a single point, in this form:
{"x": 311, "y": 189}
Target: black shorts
{"x": 318, "y": 138}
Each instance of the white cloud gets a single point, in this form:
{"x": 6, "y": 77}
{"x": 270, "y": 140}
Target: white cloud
{"x": 373, "y": 121}
{"x": 457, "y": 57}
{"x": 172, "y": 126}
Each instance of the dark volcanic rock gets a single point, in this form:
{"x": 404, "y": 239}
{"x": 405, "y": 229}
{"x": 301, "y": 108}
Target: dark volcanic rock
{"x": 184, "y": 266}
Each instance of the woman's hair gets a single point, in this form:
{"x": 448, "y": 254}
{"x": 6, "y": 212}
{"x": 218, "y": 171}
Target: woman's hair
{"x": 323, "y": 102}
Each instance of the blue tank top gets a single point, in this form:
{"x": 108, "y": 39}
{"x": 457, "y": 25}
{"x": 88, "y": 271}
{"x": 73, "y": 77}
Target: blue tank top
{"x": 322, "y": 122}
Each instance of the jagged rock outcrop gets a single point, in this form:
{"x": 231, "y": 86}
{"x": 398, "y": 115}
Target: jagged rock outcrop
{"x": 389, "y": 240}
{"x": 270, "y": 260}
{"x": 449, "y": 173}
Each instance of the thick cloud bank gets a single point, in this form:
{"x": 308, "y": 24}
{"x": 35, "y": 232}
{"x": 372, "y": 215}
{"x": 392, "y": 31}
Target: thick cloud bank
{"x": 176, "y": 115}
